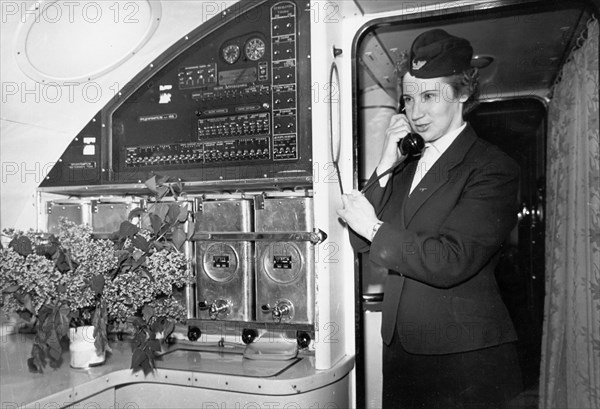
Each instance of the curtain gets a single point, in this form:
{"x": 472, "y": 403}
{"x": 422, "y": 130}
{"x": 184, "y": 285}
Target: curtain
{"x": 570, "y": 366}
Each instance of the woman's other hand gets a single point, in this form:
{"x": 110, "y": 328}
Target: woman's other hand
{"x": 358, "y": 213}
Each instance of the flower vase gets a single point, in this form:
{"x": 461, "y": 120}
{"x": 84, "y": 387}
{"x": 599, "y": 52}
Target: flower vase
{"x": 82, "y": 348}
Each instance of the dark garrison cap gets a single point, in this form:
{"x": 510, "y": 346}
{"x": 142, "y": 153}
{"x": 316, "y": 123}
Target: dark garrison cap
{"x": 435, "y": 53}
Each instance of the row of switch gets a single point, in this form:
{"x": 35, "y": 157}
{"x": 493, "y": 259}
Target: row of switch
{"x": 221, "y": 95}
{"x": 281, "y": 28}
{"x": 287, "y": 150}
{"x": 157, "y": 160}
{"x": 210, "y": 156}
{"x": 217, "y": 155}
{"x": 206, "y": 125}
{"x": 232, "y": 130}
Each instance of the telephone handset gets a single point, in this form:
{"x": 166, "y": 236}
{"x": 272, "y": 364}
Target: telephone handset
{"x": 411, "y": 145}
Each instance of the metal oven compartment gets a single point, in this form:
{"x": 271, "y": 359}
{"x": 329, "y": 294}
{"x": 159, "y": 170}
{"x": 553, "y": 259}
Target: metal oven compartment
{"x": 76, "y": 212}
{"x": 285, "y": 282}
{"x": 284, "y": 269}
{"x": 225, "y": 271}
{"x": 107, "y": 216}
{"x": 284, "y": 214}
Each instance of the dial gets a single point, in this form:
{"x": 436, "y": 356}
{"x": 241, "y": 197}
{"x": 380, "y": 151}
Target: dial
{"x": 231, "y": 53}
{"x": 255, "y": 49}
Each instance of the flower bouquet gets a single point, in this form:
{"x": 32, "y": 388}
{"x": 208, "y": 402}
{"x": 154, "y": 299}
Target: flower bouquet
{"x": 73, "y": 279}
{"x": 55, "y": 283}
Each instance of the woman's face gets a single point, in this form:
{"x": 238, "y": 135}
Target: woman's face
{"x": 432, "y": 108}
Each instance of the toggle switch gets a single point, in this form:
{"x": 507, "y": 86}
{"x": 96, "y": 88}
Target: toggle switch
{"x": 283, "y": 310}
{"x": 218, "y": 309}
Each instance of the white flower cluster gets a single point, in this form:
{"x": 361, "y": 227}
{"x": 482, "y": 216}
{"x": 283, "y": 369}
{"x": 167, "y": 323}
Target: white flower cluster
{"x": 74, "y": 238}
{"x": 168, "y": 269}
{"x": 77, "y": 292}
{"x": 71, "y": 277}
{"x": 35, "y": 276}
{"x": 97, "y": 257}
{"x": 127, "y": 293}
{"x": 168, "y": 308}
{"x": 150, "y": 285}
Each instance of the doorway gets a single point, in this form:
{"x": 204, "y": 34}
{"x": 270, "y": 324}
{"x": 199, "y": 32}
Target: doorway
{"x": 518, "y": 127}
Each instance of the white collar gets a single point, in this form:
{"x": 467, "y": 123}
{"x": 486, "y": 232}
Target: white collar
{"x": 441, "y": 144}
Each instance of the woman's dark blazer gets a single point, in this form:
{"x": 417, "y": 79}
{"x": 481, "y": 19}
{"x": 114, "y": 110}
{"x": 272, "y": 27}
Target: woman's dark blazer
{"x": 440, "y": 246}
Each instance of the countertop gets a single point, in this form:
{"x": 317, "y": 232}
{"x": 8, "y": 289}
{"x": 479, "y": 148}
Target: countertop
{"x": 186, "y": 365}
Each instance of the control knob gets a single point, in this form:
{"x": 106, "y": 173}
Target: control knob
{"x": 283, "y": 310}
{"x": 218, "y": 309}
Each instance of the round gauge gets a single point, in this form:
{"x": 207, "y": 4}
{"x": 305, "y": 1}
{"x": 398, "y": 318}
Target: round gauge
{"x": 231, "y": 53}
{"x": 255, "y": 49}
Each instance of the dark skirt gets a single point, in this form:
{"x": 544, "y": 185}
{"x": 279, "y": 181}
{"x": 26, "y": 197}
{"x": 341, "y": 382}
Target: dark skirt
{"x": 483, "y": 379}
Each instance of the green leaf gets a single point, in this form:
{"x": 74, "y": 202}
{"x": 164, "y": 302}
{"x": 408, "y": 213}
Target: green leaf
{"x": 176, "y": 189}
{"x": 64, "y": 310}
{"x": 191, "y": 230}
{"x": 54, "y": 348}
{"x": 62, "y": 262}
{"x": 159, "y": 245}
{"x": 28, "y": 303}
{"x": 63, "y": 320}
{"x": 151, "y": 184}
{"x": 156, "y": 222}
{"x": 183, "y": 214}
{"x": 140, "y": 261}
{"x": 148, "y": 275}
{"x": 25, "y": 316}
{"x": 148, "y": 365}
{"x": 97, "y": 284}
{"x": 172, "y": 214}
{"x": 153, "y": 345}
{"x": 56, "y": 363}
{"x": 11, "y": 289}
{"x": 123, "y": 256}
{"x": 45, "y": 320}
{"x": 99, "y": 321}
{"x": 137, "y": 321}
{"x": 164, "y": 229}
{"x": 37, "y": 362}
{"x": 140, "y": 242}
{"x": 161, "y": 210}
{"x": 168, "y": 329}
{"x": 144, "y": 347}
{"x": 161, "y": 192}
{"x": 48, "y": 250}
{"x": 147, "y": 312}
{"x": 35, "y": 365}
{"x": 157, "y": 326}
{"x": 127, "y": 230}
{"x": 178, "y": 238}
{"x": 21, "y": 245}
{"x": 162, "y": 179}
{"x": 138, "y": 359}
{"x": 137, "y": 212}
